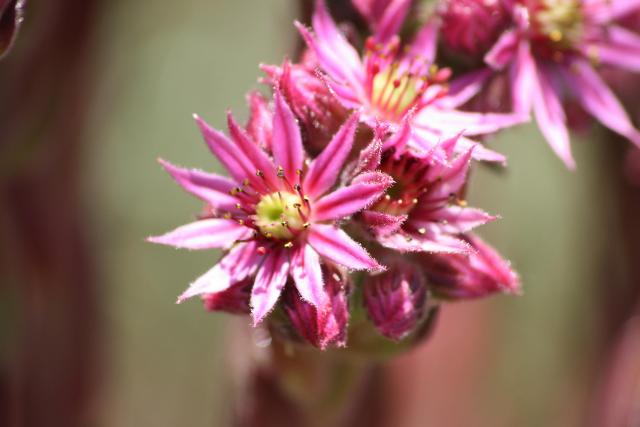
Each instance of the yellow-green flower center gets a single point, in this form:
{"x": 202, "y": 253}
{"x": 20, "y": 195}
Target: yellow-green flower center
{"x": 560, "y": 21}
{"x": 280, "y": 215}
{"x": 393, "y": 94}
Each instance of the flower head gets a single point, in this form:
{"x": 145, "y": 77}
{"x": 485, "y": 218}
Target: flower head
{"x": 550, "y": 51}
{"x": 392, "y": 84}
{"x": 424, "y": 210}
{"x": 276, "y": 215}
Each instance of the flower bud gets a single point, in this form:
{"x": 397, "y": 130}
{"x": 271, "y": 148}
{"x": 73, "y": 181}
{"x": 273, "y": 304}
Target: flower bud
{"x": 396, "y": 300}
{"x": 471, "y": 27}
{"x": 326, "y": 325}
{"x": 480, "y": 273}
{"x": 233, "y": 300}
{"x": 318, "y": 111}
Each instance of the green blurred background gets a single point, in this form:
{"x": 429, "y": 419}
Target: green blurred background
{"x": 514, "y": 361}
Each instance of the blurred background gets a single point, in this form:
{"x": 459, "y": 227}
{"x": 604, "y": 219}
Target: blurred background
{"x": 94, "y": 91}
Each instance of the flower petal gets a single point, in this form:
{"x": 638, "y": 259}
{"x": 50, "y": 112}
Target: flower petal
{"x": 599, "y": 100}
{"x": 325, "y": 168}
{"x": 468, "y": 122}
{"x": 335, "y": 245}
{"x": 213, "y": 189}
{"x": 258, "y": 158}
{"x": 287, "y": 144}
{"x": 451, "y": 219}
{"x": 260, "y": 119}
{"x": 523, "y": 79}
{"x": 366, "y": 189}
{"x": 270, "y": 280}
{"x": 381, "y": 224}
{"x": 430, "y": 242}
{"x": 551, "y": 117}
{"x": 204, "y": 234}
{"x": 240, "y": 263}
{"x": 503, "y": 51}
{"x": 392, "y": 19}
{"x": 425, "y": 43}
{"x": 307, "y": 274}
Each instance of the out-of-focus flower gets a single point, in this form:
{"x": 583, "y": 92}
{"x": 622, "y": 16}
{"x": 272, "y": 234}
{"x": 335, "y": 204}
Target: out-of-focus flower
{"x": 11, "y": 17}
{"x": 471, "y": 27}
{"x": 319, "y": 113}
{"x": 276, "y": 216}
{"x": 550, "y": 53}
{"x": 394, "y": 84}
{"x": 396, "y": 299}
{"x": 479, "y": 273}
{"x": 323, "y": 325}
{"x": 424, "y": 210}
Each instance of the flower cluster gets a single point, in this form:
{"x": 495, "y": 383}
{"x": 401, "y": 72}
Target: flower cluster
{"x": 345, "y": 204}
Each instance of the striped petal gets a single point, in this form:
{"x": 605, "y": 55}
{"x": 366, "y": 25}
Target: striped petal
{"x": 204, "y": 234}
{"x": 287, "y": 146}
{"x": 269, "y": 283}
{"x": 335, "y": 245}
{"x": 306, "y": 272}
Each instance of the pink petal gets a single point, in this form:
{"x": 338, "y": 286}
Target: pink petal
{"x": 270, "y": 280}
{"x": 369, "y": 159}
{"x": 325, "y": 168}
{"x": 392, "y": 19}
{"x": 429, "y": 243}
{"x": 337, "y": 246}
{"x": 452, "y": 219}
{"x": 204, "y": 234}
{"x": 599, "y": 100}
{"x": 551, "y": 117}
{"x": 523, "y": 79}
{"x": 211, "y": 188}
{"x": 307, "y": 274}
{"x": 381, "y": 224}
{"x": 258, "y": 158}
{"x": 463, "y": 88}
{"x": 366, "y": 189}
{"x": 287, "y": 144}
{"x": 240, "y": 263}
{"x": 260, "y": 122}
{"x": 234, "y": 161}
{"x": 468, "y": 122}
{"x": 504, "y": 51}
{"x": 425, "y": 43}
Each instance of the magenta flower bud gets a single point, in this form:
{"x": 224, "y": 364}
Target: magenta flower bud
{"x": 318, "y": 111}
{"x": 471, "y": 27}
{"x": 324, "y": 325}
{"x": 396, "y": 300}
{"x": 480, "y": 273}
{"x": 233, "y": 300}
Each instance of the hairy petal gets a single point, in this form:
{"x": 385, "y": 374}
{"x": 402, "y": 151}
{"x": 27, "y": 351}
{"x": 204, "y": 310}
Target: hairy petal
{"x": 325, "y": 168}
{"x": 287, "y": 144}
{"x": 366, "y": 189}
{"x": 240, "y": 263}
{"x": 213, "y": 189}
{"x": 337, "y": 246}
{"x": 307, "y": 274}
{"x": 271, "y": 278}
{"x": 204, "y": 234}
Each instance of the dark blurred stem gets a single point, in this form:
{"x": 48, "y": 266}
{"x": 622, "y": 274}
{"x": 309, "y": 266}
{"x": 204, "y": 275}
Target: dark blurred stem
{"x": 48, "y": 298}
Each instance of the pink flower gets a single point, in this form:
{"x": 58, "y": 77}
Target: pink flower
{"x": 479, "y": 273}
{"x": 549, "y": 55}
{"x": 424, "y": 210}
{"x": 393, "y": 84}
{"x": 396, "y": 299}
{"x": 323, "y": 325}
{"x": 276, "y": 216}
{"x": 471, "y": 27}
